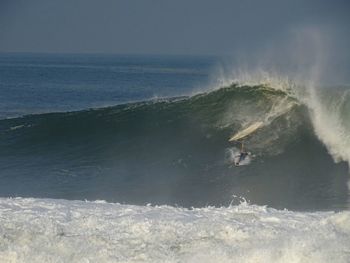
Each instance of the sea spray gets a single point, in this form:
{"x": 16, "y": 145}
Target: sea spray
{"x": 331, "y": 121}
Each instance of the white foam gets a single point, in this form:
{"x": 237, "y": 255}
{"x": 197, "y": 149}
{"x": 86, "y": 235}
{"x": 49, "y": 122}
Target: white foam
{"x": 329, "y": 125}
{"x": 37, "y": 230}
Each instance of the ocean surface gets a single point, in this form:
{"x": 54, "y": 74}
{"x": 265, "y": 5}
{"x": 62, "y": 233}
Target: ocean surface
{"x": 110, "y": 158}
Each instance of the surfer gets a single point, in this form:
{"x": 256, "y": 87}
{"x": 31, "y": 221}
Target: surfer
{"x": 241, "y": 157}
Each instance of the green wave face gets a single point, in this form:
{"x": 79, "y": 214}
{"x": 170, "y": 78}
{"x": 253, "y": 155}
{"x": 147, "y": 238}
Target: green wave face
{"x": 175, "y": 151}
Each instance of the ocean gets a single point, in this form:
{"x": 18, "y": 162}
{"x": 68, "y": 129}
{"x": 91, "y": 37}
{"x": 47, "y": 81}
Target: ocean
{"x": 126, "y": 158}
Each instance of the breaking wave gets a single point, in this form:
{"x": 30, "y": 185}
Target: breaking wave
{"x": 176, "y": 151}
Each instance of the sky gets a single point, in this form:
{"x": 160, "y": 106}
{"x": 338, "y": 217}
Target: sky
{"x": 164, "y": 26}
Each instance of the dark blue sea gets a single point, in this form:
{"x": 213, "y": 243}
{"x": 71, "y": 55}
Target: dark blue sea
{"x": 38, "y": 83}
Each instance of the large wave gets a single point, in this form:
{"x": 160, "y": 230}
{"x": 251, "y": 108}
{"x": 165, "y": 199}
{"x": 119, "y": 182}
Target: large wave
{"x": 176, "y": 151}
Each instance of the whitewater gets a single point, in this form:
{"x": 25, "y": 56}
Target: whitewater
{"x": 44, "y": 230}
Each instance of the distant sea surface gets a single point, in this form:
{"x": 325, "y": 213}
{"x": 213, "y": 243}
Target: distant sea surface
{"x": 38, "y": 83}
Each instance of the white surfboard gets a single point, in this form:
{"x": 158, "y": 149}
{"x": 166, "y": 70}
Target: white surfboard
{"x": 246, "y": 131}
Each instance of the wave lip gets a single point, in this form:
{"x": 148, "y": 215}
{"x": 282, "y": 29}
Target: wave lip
{"x": 43, "y": 230}
{"x": 328, "y": 106}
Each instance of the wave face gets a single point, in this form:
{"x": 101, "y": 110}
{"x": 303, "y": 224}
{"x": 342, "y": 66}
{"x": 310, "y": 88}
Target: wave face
{"x": 76, "y": 231}
{"x": 176, "y": 151}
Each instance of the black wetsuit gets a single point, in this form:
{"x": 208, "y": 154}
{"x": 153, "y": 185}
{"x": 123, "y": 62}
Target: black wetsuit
{"x": 242, "y": 156}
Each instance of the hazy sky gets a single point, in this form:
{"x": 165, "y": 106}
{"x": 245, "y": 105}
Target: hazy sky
{"x": 161, "y": 26}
